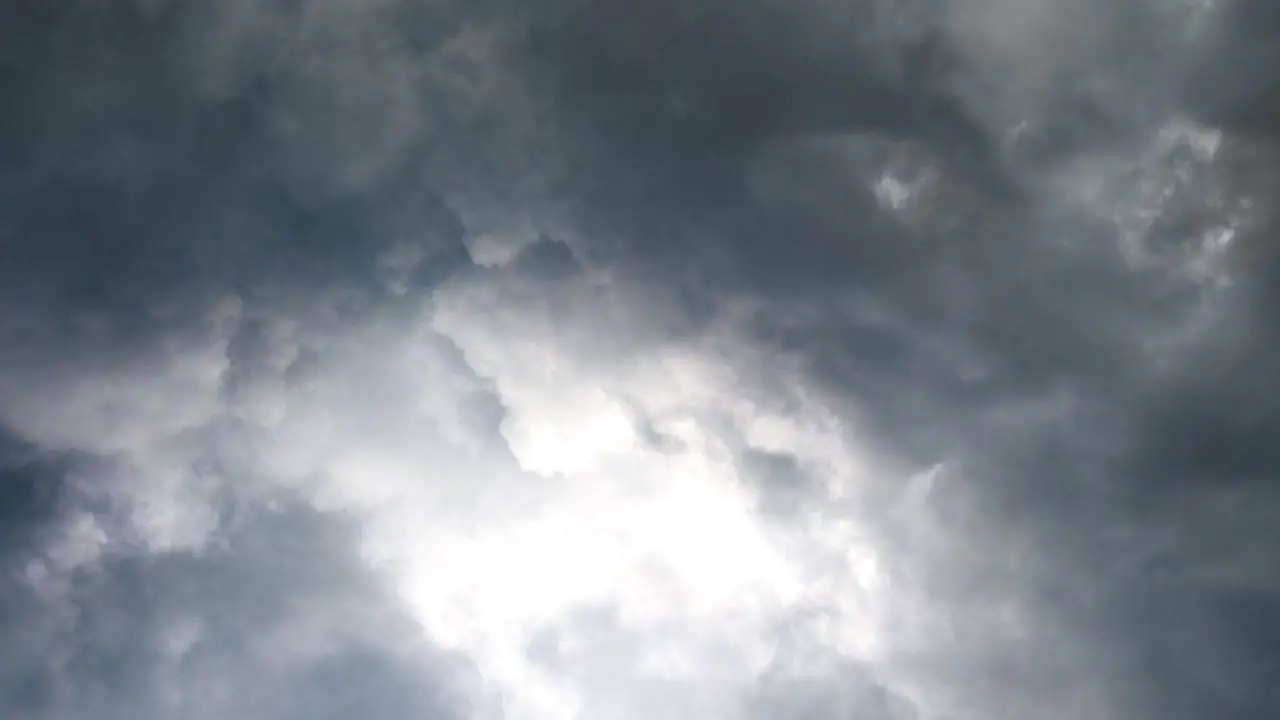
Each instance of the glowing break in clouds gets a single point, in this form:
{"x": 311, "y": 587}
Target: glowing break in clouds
{"x": 623, "y": 499}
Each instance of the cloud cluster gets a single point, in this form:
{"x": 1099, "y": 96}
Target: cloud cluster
{"x": 603, "y": 359}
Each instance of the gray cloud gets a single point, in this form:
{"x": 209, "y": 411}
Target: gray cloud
{"x": 603, "y": 359}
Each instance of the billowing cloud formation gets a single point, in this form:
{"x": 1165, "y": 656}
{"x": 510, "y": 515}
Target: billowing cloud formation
{"x": 598, "y": 359}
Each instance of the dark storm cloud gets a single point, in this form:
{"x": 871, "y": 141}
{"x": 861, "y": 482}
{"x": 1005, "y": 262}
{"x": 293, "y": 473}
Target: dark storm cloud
{"x": 217, "y": 221}
{"x": 1084, "y": 407}
{"x": 257, "y": 627}
{"x": 1234, "y": 82}
{"x": 276, "y": 622}
{"x": 148, "y": 182}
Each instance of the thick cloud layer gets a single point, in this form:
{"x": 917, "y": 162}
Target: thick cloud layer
{"x": 603, "y": 359}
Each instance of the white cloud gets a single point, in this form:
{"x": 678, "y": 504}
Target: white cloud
{"x": 492, "y": 547}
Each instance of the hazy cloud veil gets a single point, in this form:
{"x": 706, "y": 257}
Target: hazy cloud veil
{"x": 606, "y": 359}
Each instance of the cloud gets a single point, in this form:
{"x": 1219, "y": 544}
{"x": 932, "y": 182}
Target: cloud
{"x": 594, "y": 359}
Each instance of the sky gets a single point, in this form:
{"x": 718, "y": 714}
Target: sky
{"x": 606, "y": 360}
